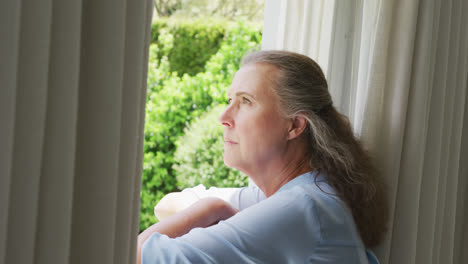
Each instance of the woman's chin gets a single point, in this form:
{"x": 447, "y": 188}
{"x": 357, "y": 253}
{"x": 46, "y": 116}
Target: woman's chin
{"x": 231, "y": 163}
{"x": 228, "y": 163}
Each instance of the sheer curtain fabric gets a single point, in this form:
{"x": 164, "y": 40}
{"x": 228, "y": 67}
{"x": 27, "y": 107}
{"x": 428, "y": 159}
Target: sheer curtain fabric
{"x": 398, "y": 69}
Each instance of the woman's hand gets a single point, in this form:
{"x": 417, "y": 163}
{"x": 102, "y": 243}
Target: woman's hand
{"x": 203, "y": 213}
{"x": 173, "y": 203}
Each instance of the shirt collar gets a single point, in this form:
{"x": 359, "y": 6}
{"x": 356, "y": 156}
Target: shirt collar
{"x": 310, "y": 177}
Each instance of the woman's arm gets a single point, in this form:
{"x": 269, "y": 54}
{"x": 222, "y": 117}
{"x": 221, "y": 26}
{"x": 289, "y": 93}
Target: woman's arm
{"x": 239, "y": 198}
{"x": 203, "y": 213}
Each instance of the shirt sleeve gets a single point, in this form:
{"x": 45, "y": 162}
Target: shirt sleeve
{"x": 280, "y": 229}
{"x": 288, "y": 227}
{"x": 239, "y": 198}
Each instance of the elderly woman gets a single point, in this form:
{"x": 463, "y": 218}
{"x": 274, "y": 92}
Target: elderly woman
{"x": 323, "y": 201}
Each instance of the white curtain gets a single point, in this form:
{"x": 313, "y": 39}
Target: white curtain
{"x": 398, "y": 69}
{"x": 72, "y": 97}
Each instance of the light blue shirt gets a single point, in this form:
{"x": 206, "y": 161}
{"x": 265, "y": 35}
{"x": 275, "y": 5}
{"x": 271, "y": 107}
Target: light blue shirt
{"x": 303, "y": 222}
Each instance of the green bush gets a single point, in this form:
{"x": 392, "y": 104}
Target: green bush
{"x": 173, "y": 101}
{"x": 194, "y": 43}
{"x": 199, "y": 155}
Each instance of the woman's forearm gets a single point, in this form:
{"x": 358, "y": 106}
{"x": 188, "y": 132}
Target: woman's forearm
{"x": 203, "y": 213}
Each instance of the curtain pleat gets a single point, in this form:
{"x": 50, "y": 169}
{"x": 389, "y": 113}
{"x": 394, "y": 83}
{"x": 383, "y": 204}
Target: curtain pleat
{"x": 54, "y": 217}
{"x": 452, "y": 151}
{"x": 461, "y": 228}
{"x": 341, "y": 55}
{"x": 98, "y": 133}
{"x": 442, "y": 78}
{"x": 461, "y": 215}
{"x": 72, "y": 98}
{"x": 138, "y": 159}
{"x": 415, "y": 142}
{"x": 28, "y": 129}
{"x": 9, "y": 28}
{"x": 426, "y": 41}
{"x": 387, "y": 104}
{"x": 130, "y": 128}
{"x": 407, "y": 100}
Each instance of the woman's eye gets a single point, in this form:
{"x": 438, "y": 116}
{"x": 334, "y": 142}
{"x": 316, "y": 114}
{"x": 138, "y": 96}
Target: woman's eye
{"x": 245, "y": 100}
{"x": 229, "y": 100}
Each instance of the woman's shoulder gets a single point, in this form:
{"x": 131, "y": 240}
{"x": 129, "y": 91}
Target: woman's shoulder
{"x": 302, "y": 219}
{"x": 313, "y": 198}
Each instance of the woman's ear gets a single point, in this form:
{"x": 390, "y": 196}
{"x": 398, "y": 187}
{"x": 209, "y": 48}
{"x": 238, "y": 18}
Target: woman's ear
{"x": 297, "y": 126}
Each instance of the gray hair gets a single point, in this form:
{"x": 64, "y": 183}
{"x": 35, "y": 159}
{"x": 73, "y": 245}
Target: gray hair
{"x": 302, "y": 81}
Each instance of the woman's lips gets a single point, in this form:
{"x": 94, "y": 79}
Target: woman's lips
{"x": 229, "y": 142}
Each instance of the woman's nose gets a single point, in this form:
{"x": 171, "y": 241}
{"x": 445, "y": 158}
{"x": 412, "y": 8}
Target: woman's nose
{"x": 225, "y": 118}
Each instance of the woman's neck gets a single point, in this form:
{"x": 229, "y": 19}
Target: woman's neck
{"x": 278, "y": 172}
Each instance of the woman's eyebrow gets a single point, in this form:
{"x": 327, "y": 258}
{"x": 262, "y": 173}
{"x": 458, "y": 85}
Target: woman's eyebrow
{"x": 242, "y": 93}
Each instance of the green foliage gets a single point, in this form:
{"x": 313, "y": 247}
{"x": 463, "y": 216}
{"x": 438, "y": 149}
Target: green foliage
{"x": 251, "y": 10}
{"x": 199, "y": 155}
{"x": 174, "y": 101}
{"x": 194, "y": 42}
{"x": 156, "y": 28}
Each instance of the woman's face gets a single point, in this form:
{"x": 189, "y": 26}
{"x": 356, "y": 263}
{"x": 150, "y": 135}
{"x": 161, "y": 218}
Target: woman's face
{"x": 255, "y": 133}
